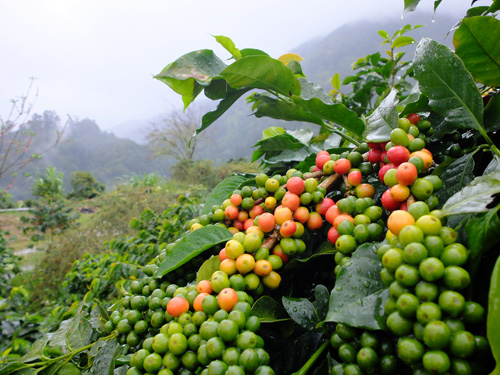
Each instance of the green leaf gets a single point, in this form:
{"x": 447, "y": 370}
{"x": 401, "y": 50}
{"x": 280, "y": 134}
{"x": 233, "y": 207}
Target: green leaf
{"x": 261, "y": 72}
{"x": 410, "y": 5}
{"x": 191, "y": 245}
{"x": 456, "y": 176}
{"x": 252, "y": 52}
{"x": 97, "y": 316}
{"x": 281, "y": 110}
{"x": 104, "y": 361}
{"x": 436, "y": 4}
{"x": 474, "y": 197}
{"x": 190, "y": 73}
{"x": 450, "y": 88}
{"x": 210, "y": 117}
{"x": 302, "y": 311}
{"x": 221, "y": 192}
{"x": 311, "y": 90}
{"x": 339, "y": 114}
{"x": 9, "y": 368}
{"x": 493, "y": 166}
{"x": 228, "y": 44}
{"x": 402, "y": 41}
{"x": 69, "y": 369}
{"x": 493, "y": 323}
{"x": 272, "y": 131}
{"x": 482, "y": 234}
{"x": 476, "y": 43}
{"x": 79, "y": 333}
{"x": 384, "y": 34}
{"x": 296, "y": 68}
{"x": 336, "y": 79}
{"x": 36, "y": 350}
{"x": 321, "y": 300}
{"x": 208, "y": 268}
{"x": 357, "y": 298}
{"x": 383, "y": 119}
{"x": 492, "y": 114}
{"x": 269, "y": 310}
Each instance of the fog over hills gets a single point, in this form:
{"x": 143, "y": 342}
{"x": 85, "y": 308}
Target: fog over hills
{"x": 122, "y": 149}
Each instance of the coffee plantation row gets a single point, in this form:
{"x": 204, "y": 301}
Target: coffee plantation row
{"x": 366, "y": 248}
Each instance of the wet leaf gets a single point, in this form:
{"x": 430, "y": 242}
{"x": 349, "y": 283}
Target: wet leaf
{"x": 358, "y": 298}
{"x": 269, "y": 310}
{"x": 475, "y": 197}
{"x": 383, "y": 120}
{"x": 192, "y": 245}
{"x": 456, "y": 176}
{"x": 443, "y": 78}
{"x": 493, "y": 323}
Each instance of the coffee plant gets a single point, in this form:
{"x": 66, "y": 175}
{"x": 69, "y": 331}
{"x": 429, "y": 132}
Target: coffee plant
{"x": 366, "y": 248}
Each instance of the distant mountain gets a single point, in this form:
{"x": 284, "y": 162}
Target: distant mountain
{"x": 338, "y": 50}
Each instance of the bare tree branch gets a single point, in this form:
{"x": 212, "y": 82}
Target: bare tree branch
{"x": 17, "y": 138}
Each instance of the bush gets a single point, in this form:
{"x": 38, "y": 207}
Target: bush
{"x": 84, "y": 186}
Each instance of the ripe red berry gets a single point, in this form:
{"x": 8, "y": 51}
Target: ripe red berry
{"x": 383, "y": 170}
{"x": 374, "y": 155}
{"x": 295, "y": 185}
{"x": 413, "y": 118}
{"x": 398, "y": 155}
{"x": 389, "y": 203}
{"x": 342, "y": 166}
{"x": 321, "y": 160}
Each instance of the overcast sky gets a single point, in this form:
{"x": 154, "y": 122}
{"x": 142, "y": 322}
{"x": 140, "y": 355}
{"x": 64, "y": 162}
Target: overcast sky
{"x": 96, "y": 58}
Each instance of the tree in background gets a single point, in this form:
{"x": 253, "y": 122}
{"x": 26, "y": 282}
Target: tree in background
{"x": 174, "y": 135}
{"x": 84, "y": 185}
{"x": 50, "y": 185}
{"x": 18, "y": 136}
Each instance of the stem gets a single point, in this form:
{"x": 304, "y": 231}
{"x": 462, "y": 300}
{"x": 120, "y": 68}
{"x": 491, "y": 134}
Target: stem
{"x": 313, "y": 359}
{"x": 342, "y": 134}
{"x": 71, "y": 354}
{"x": 493, "y": 147}
{"x": 329, "y": 180}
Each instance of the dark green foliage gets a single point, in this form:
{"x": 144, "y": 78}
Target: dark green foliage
{"x": 84, "y": 185}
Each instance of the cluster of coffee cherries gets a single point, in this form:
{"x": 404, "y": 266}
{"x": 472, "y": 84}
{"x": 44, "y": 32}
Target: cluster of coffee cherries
{"x": 438, "y": 330}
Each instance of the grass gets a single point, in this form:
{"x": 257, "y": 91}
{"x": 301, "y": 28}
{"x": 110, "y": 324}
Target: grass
{"x": 11, "y": 222}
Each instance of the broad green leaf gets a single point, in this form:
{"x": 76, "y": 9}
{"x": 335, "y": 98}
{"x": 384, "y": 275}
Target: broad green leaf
{"x": 30, "y": 371}
{"x": 493, "y": 323}
{"x": 302, "y": 311}
{"x": 104, "y": 361}
{"x": 210, "y": 117}
{"x": 476, "y": 43}
{"x": 208, "y": 268}
{"x": 192, "y": 245}
{"x": 9, "y": 368}
{"x": 450, "y": 88}
{"x": 383, "y": 119}
{"x": 36, "y": 350}
{"x": 272, "y": 131}
{"x": 402, "y": 41}
{"x": 190, "y": 73}
{"x": 69, "y": 369}
{"x": 296, "y": 69}
{"x": 336, "y": 80}
{"x": 474, "y": 197}
{"x": 80, "y": 331}
{"x": 269, "y": 310}
{"x": 302, "y": 135}
{"x": 252, "y": 52}
{"x": 384, "y": 34}
{"x": 482, "y": 234}
{"x": 218, "y": 89}
{"x": 228, "y": 44}
{"x": 419, "y": 106}
{"x": 456, "y": 176}
{"x": 261, "y": 72}
{"x": 321, "y": 301}
{"x": 495, "y": 7}
{"x": 357, "y": 297}
{"x": 97, "y": 316}
{"x": 339, "y": 114}
{"x": 410, "y": 5}
{"x": 296, "y": 351}
{"x": 311, "y": 90}
{"x": 58, "y": 338}
{"x": 493, "y": 166}
{"x": 281, "y": 110}
{"x": 492, "y": 114}
{"x": 287, "y": 57}
{"x": 221, "y": 192}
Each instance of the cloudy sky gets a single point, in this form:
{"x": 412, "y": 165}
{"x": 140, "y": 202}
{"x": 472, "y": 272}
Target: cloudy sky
{"x": 96, "y": 58}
